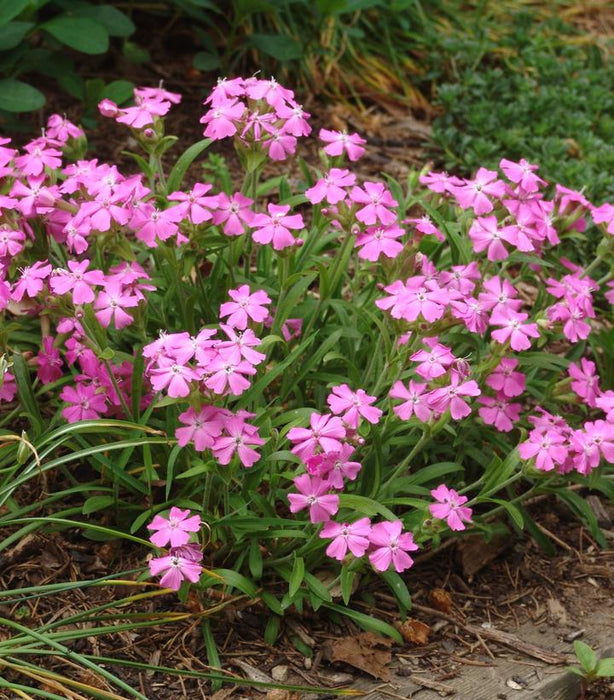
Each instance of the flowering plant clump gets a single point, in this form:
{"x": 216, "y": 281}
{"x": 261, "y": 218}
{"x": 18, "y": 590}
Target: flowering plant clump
{"x": 325, "y": 371}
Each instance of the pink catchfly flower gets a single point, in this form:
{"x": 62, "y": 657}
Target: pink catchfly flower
{"x": 175, "y": 529}
{"x": 353, "y": 405}
{"x": 390, "y": 546}
{"x": 414, "y": 401}
{"x": 326, "y": 433}
{"x": 339, "y": 142}
{"x": 450, "y": 507}
{"x": 514, "y": 329}
{"x": 244, "y": 307}
{"x": 313, "y": 494}
{"x": 451, "y": 397}
{"x": 347, "y": 536}
{"x": 176, "y": 570}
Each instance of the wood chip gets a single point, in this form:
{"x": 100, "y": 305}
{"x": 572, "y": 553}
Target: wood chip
{"x": 513, "y": 642}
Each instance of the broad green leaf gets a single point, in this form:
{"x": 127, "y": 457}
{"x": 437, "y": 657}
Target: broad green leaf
{"x": 9, "y": 9}
{"x": 16, "y": 96}
{"x": 605, "y": 668}
{"x": 586, "y": 656}
{"x": 79, "y": 33}
{"x": 12, "y": 34}
{"x": 113, "y": 20}
{"x": 120, "y": 91}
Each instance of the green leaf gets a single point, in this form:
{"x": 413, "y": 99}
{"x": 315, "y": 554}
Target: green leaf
{"x": 346, "y": 581}
{"x": 399, "y": 588}
{"x": 120, "y": 91}
{"x": 16, "y": 96}
{"x": 317, "y": 587}
{"x": 183, "y": 163}
{"x": 271, "y": 602}
{"x": 255, "y": 558}
{"x": 206, "y": 61}
{"x": 12, "y": 34}
{"x": 364, "y": 505}
{"x": 271, "y": 631}
{"x": 235, "y": 580}
{"x": 586, "y": 656}
{"x": 281, "y": 47}
{"x": 113, "y": 20}
{"x": 605, "y": 668}
{"x": 297, "y": 575}
{"x": 79, "y": 33}
{"x": 9, "y": 9}
{"x": 498, "y": 472}
{"x": 97, "y": 503}
{"x": 26, "y": 395}
{"x": 371, "y": 624}
{"x": 511, "y": 509}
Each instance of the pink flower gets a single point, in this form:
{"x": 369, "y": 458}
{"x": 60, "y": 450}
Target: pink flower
{"x": 49, "y": 362}
{"x": 591, "y": 444}
{"x": 354, "y": 536}
{"x": 239, "y": 437}
{"x": 31, "y": 281}
{"x": 331, "y": 187}
{"x": 474, "y": 193}
{"x": 245, "y": 306}
{"x": 506, "y": 380}
{"x": 450, "y": 507}
{"x": 200, "y": 428}
{"x": 514, "y": 330}
{"x": 313, "y": 495}
{"x": 451, "y": 396}
{"x": 340, "y": 142}
{"x": 326, "y": 432}
{"x": 222, "y": 119}
{"x": 195, "y": 204}
{"x": 585, "y": 381}
{"x": 379, "y": 240}
{"x": 486, "y": 235}
{"x": 376, "y": 199}
{"x": 177, "y": 570}
{"x": 353, "y": 405}
{"x": 274, "y": 227}
{"x": 498, "y": 411}
{"x": 415, "y": 401}
{"x": 434, "y": 362}
{"x": 228, "y": 375}
{"x": 175, "y": 529}
{"x": 426, "y": 226}
{"x": 389, "y": 546}
{"x": 110, "y": 306}
{"x": 234, "y": 213}
{"x": 172, "y": 376}
{"x": 415, "y": 297}
{"x": 523, "y": 174}
{"x": 11, "y": 241}
{"x": 498, "y": 294}
{"x": 85, "y": 403}
{"x": 335, "y": 466}
{"x": 77, "y": 280}
{"x": 546, "y": 447}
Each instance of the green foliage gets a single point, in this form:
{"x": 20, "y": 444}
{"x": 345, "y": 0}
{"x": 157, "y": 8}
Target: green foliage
{"x": 38, "y": 39}
{"x": 537, "y": 91}
{"x": 591, "y": 667}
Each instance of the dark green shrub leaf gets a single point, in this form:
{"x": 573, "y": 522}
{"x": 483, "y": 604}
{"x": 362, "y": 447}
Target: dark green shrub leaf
{"x": 120, "y": 91}
{"x": 113, "y": 20}
{"x": 12, "y": 34}
{"x": 16, "y": 96}
{"x": 206, "y": 61}
{"x": 10, "y": 9}
{"x": 79, "y": 33}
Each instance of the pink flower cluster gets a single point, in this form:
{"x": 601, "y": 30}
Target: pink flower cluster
{"x": 183, "y": 559}
{"x": 206, "y": 367}
{"x": 554, "y": 445}
{"x": 257, "y": 112}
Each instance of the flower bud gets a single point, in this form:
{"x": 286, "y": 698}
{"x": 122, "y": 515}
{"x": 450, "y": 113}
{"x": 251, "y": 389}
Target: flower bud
{"x": 108, "y": 108}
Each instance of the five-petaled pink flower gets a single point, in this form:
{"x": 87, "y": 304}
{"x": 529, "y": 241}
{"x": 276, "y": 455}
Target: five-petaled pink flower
{"x": 347, "y": 536}
{"x": 450, "y": 507}
{"x": 175, "y": 529}
{"x": 389, "y": 546}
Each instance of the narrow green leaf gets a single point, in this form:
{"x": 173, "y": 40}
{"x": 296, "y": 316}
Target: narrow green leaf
{"x": 26, "y": 395}
{"x": 235, "y": 580}
{"x": 297, "y": 575}
{"x": 255, "y": 559}
{"x": 183, "y": 163}
{"x": 346, "y": 581}
{"x": 371, "y": 624}
{"x": 399, "y": 589}
{"x": 96, "y": 503}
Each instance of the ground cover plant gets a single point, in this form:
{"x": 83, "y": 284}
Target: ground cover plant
{"x": 552, "y": 86}
{"x": 259, "y": 383}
